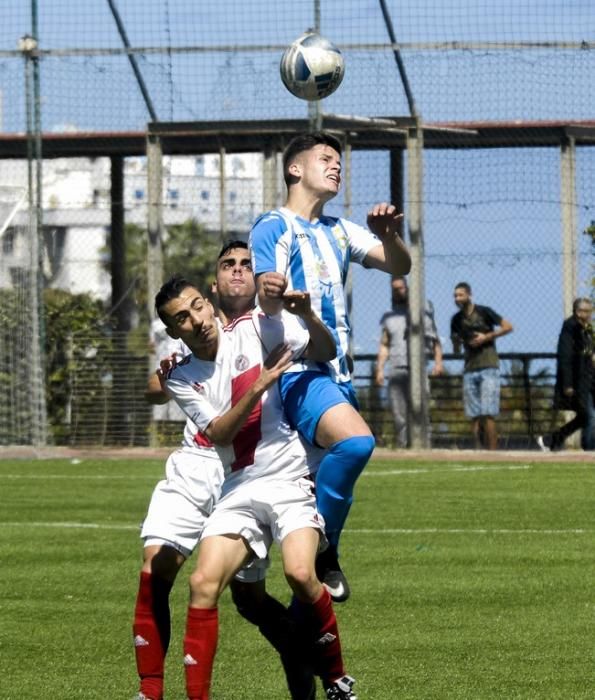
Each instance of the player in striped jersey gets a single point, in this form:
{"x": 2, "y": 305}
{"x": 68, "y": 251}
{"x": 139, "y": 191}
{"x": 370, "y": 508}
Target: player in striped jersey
{"x": 298, "y": 247}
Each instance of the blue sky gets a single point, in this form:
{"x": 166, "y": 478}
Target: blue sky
{"x": 492, "y": 218}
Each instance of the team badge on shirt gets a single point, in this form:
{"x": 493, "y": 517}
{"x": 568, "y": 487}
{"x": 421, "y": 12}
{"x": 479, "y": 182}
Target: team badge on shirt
{"x": 339, "y": 235}
{"x": 242, "y": 363}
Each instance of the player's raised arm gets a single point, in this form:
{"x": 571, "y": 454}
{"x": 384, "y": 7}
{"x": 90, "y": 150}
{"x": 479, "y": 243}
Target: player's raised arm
{"x": 322, "y": 346}
{"x": 223, "y": 429}
{"x": 391, "y": 255}
{"x": 270, "y": 287}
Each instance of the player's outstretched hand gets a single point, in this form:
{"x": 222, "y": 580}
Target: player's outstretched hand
{"x": 273, "y": 284}
{"x": 297, "y": 302}
{"x": 277, "y": 361}
{"x": 165, "y": 367}
{"x": 383, "y": 220}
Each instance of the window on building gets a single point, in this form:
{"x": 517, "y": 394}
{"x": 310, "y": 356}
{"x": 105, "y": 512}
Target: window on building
{"x": 174, "y": 198}
{"x": 8, "y": 242}
{"x": 204, "y": 195}
{"x": 139, "y": 194}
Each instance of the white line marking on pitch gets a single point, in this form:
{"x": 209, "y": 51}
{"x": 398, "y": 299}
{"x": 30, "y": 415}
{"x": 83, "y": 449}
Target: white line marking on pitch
{"x": 463, "y": 531}
{"x": 92, "y": 477}
{"x": 356, "y": 531}
{"x": 79, "y": 526}
{"x": 451, "y": 468}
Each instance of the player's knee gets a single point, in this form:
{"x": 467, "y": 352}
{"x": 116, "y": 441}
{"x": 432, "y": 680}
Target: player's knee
{"x": 359, "y": 448}
{"x": 164, "y": 563}
{"x": 204, "y": 590}
{"x": 301, "y": 579}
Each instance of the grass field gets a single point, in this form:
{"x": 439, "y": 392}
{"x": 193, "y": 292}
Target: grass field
{"x": 470, "y": 581}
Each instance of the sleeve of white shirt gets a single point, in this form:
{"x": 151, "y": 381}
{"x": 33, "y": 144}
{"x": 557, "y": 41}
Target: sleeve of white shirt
{"x": 194, "y": 404}
{"x": 361, "y": 240}
{"x": 281, "y": 328}
{"x": 296, "y": 334}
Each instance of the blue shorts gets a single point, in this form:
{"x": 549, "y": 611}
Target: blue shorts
{"x": 307, "y": 395}
{"x": 481, "y": 392}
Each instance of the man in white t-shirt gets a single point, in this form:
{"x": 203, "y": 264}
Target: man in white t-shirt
{"x": 177, "y": 513}
{"x": 228, "y": 388}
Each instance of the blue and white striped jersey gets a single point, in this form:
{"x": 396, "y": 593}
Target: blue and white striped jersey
{"x": 314, "y": 256}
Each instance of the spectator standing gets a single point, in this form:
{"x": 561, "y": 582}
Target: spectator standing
{"x": 574, "y": 378}
{"x": 394, "y": 350}
{"x": 476, "y": 328}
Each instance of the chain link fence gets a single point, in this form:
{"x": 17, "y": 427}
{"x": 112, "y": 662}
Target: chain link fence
{"x": 506, "y": 212}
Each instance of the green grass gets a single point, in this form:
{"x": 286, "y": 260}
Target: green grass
{"x": 468, "y": 583}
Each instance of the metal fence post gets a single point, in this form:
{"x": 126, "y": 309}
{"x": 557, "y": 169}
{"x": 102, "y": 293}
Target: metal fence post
{"x": 569, "y": 225}
{"x": 418, "y": 397}
{"x": 154, "y": 220}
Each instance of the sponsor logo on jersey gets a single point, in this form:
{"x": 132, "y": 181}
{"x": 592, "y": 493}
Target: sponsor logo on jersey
{"x": 199, "y": 388}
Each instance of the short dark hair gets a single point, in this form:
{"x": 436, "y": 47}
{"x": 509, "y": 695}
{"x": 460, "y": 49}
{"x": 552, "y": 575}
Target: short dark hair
{"x": 230, "y": 245}
{"x": 464, "y": 285}
{"x": 579, "y": 302}
{"x": 304, "y": 142}
{"x": 171, "y": 289}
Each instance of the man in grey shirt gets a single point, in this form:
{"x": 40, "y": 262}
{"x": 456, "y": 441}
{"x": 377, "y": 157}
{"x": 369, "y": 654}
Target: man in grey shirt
{"x": 394, "y": 350}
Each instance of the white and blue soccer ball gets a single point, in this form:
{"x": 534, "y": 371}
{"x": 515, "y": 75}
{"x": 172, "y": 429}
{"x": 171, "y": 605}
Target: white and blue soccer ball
{"x": 312, "y": 67}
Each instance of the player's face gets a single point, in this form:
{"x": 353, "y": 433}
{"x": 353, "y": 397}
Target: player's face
{"x": 319, "y": 170}
{"x": 235, "y": 279}
{"x": 462, "y": 297}
{"x": 191, "y": 318}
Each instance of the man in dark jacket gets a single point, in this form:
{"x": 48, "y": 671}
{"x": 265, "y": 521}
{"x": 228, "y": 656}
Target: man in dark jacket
{"x": 574, "y": 379}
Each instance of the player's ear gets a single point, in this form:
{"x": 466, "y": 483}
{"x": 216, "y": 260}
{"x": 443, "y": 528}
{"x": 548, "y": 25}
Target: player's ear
{"x": 295, "y": 169}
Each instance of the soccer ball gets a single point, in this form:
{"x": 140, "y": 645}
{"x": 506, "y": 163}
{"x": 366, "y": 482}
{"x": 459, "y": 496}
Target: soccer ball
{"x": 312, "y": 67}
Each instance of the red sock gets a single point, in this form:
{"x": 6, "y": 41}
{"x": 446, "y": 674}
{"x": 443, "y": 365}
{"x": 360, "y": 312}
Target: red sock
{"x": 200, "y": 645}
{"x": 327, "y": 644}
{"x": 151, "y": 631}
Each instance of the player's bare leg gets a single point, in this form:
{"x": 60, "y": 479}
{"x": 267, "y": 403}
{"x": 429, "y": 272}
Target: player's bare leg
{"x": 313, "y": 608}
{"x": 219, "y": 558}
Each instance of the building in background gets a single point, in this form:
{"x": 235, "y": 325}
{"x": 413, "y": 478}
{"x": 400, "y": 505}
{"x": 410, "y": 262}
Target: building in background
{"x": 76, "y": 217}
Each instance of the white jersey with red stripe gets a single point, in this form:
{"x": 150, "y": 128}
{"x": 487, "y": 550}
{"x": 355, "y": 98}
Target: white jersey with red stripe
{"x": 193, "y": 438}
{"x": 265, "y": 446}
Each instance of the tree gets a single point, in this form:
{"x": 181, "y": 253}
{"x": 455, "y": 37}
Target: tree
{"x": 189, "y": 250}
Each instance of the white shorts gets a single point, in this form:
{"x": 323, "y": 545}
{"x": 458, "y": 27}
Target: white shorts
{"x": 265, "y": 510}
{"x": 182, "y": 502}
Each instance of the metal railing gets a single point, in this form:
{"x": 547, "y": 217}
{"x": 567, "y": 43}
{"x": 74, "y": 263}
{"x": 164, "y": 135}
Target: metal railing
{"x": 526, "y": 402}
